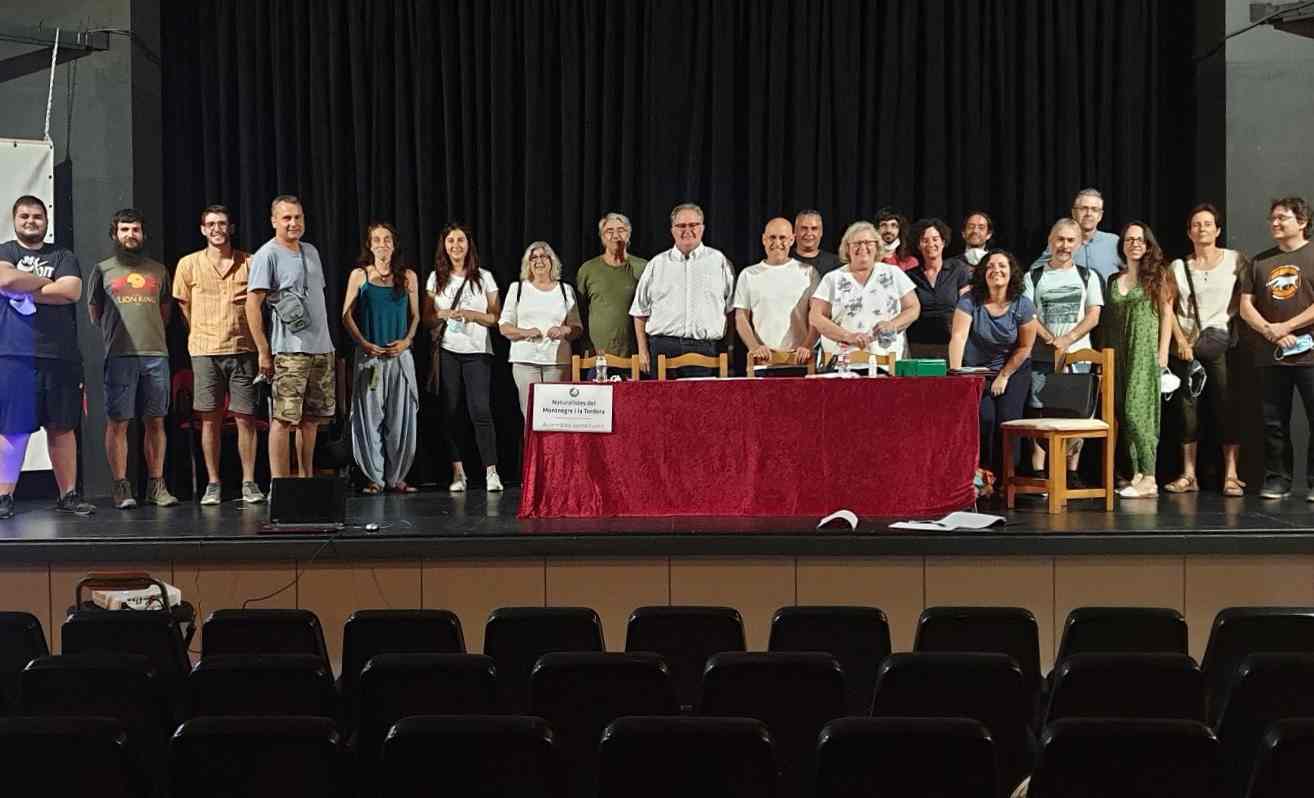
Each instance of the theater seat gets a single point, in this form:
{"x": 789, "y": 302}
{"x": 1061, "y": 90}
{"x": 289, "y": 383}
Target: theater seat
{"x": 257, "y": 758}
{"x": 271, "y": 684}
{"x": 21, "y": 641}
{"x": 661, "y": 757}
{"x": 263, "y": 631}
{"x": 1285, "y": 765}
{"x": 1127, "y": 686}
{"x": 685, "y": 636}
{"x": 515, "y": 637}
{"x": 1102, "y": 757}
{"x": 1265, "y": 689}
{"x": 858, "y": 637}
{"x": 1123, "y": 630}
{"x": 1239, "y": 632}
{"x": 1002, "y": 630}
{"x": 151, "y": 634}
{"x": 37, "y": 756}
{"x": 861, "y": 757}
{"x": 369, "y": 633}
{"x": 499, "y": 755}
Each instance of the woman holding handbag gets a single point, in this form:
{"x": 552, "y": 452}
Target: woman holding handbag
{"x": 1202, "y": 332}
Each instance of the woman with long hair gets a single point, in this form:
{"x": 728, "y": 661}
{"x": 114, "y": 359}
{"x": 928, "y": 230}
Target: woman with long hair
{"x": 462, "y": 305}
{"x": 381, "y": 311}
{"x": 1137, "y": 321}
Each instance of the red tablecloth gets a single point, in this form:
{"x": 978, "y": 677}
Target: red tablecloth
{"x": 893, "y": 446}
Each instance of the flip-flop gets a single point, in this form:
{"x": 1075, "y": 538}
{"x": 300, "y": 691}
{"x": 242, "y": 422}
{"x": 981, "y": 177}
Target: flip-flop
{"x": 402, "y": 487}
{"x": 372, "y": 489}
{"x": 1234, "y": 487}
{"x": 1183, "y": 485}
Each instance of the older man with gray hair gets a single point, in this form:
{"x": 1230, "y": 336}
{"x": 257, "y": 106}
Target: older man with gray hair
{"x": 684, "y": 298}
{"x": 605, "y": 287}
{"x": 1097, "y": 250}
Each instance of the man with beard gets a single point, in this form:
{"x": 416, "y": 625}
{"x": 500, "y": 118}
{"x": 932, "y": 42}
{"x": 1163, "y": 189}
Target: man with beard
{"x": 40, "y": 364}
{"x": 978, "y": 229}
{"x": 210, "y": 286}
{"x": 130, "y": 302}
{"x": 807, "y": 244}
{"x": 606, "y": 288}
{"x": 892, "y": 227}
{"x": 772, "y": 300}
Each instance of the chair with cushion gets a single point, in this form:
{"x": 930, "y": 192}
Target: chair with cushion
{"x": 625, "y": 364}
{"x": 495, "y": 755}
{"x": 1123, "y": 630}
{"x": 1239, "y": 632}
{"x": 721, "y": 363}
{"x": 1101, "y": 757}
{"x": 988, "y": 688}
{"x": 515, "y": 637}
{"x": 660, "y": 757}
{"x": 779, "y": 359}
{"x": 1285, "y": 765}
{"x": 257, "y": 758}
{"x": 263, "y": 631}
{"x": 795, "y": 694}
{"x": 21, "y": 641}
{"x": 685, "y": 637}
{"x": 1057, "y": 432}
{"x": 858, "y": 637}
{"x": 68, "y": 756}
{"x": 1265, "y": 688}
{"x": 1003, "y": 630}
{"x": 1127, "y": 686}
{"x": 579, "y": 694}
{"x": 268, "y": 684}
{"x": 368, "y": 633}
{"x": 860, "y": 757}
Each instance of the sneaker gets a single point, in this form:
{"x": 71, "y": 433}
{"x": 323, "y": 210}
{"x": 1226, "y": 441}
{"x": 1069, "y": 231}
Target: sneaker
{"x": 458, "y": 485}
{"x": 6, "y": 506}
{"x": 123, "y": 495}
{"x": 251, "y": 493}
{"x": 494, "y": 482}
{"x": 71, "y": 502}
{"x": 159, "y": 495}
{"x": 1275, "y": 488}
{"x": 213, "y": 494}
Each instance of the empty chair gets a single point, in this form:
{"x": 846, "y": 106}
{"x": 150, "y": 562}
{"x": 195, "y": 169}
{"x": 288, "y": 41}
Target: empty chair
{"x": 1123, "y": 630}
{"x": 1241, "y": 631}
{"x": 858, "y": 637}
{"x": 579, "y": 694}
{"x": 486, "y": 755}
{"x": 1265, "y": 688}
{"x": 1285, "y": 765}
{"x": 396, "y": 686}
{"x": 905, "y": 757}
{"x": 1127, "y": 686}
{"x": 256, "y": 758}
{"x": 1001, "y": 630}
{"x": 987, "y": 688}
{"x": 515, "y": 637}
{"x": 1101, "y": 757}
{"x": 371, "y": 632}
{"x": 274, "y": 684}
{"x": 685, "y": 637}
{"x": 152, "y": 634}
{"x": 36, "y": 754}
{"x": 263, "y": 631}
{"x": 21, "y": 641}
{"x": 795, "y": 694}
{"x": 659, "y": 757}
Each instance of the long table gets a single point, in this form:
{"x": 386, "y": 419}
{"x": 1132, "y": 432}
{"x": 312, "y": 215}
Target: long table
{"x": 888, "y": 446}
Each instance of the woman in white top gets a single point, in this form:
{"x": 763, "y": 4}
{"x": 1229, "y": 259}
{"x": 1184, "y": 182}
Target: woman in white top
{"x": 866, "y": 304}
{"x": 1209, "y": 277}
{"x": 540, "y": 319}
{"x": 462, "y": 304}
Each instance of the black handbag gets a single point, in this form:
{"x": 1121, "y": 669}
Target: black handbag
{"x": 1070, "y": 395}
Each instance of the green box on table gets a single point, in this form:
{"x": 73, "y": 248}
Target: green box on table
{"x": 921, "y": 367}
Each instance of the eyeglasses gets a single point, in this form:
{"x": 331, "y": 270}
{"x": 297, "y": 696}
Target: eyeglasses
{"x": 688, "y": 226}
{"x": 1282, "y": 217}
{"x": 1088, "y": 208}
{"x": 214, "y": 225}
{"x": 867, "y": 243}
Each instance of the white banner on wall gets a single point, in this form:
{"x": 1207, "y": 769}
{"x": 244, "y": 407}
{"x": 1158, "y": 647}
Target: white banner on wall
{"x": 28, "y": 167}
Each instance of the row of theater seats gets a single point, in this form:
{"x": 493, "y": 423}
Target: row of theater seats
{"x": 975, "y": 663}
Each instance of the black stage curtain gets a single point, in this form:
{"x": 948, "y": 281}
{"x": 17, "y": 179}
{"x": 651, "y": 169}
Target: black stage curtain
{"x": 530, "y": 118}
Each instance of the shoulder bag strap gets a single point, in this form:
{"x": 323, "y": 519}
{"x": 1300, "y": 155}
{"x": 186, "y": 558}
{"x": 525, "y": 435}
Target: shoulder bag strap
{"x": 1195, "y": 304}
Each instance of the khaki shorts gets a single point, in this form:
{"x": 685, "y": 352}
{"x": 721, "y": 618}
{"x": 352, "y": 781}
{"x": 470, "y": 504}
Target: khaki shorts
{"x": 304, "y": 385}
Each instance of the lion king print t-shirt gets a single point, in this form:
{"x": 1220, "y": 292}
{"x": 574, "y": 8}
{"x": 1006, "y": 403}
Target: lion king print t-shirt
{"x": 1282, "y": 285}
{"x": 129, "y": 291}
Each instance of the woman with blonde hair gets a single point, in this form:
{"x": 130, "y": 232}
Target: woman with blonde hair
{"x": 540, "y": 318}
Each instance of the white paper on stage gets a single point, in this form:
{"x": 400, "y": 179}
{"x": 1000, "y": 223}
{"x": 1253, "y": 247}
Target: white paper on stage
{"x": 572, "y": 408}
{"x": 959, "y": 520}
{"x": 28, "y": 167}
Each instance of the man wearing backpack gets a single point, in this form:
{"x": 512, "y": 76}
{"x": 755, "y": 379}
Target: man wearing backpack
{"x": 1068, "y": 300}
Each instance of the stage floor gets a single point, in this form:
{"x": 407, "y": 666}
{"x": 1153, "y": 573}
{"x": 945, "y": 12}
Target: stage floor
{"x": 478, "y": 524}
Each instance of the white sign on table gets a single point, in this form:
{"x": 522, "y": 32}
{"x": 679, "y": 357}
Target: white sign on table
{"x": 572, "y": 408}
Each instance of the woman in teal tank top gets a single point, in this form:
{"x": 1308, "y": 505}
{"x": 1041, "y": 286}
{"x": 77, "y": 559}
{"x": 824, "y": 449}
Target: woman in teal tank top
{"x": 380, "y": 312}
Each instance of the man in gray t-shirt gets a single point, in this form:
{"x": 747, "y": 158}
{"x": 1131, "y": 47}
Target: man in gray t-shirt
{"x": 298, "y": 355}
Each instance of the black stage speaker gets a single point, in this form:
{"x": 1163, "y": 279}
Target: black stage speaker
{"x": 307, "y": 504}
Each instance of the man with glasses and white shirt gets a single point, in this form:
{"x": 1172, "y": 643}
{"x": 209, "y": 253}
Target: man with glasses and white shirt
{"x": 1098, "y": 250}
{"x": 683, "y": 298}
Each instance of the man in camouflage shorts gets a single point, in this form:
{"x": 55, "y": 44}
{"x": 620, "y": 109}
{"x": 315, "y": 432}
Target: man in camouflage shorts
{"x": 304, "y": 386}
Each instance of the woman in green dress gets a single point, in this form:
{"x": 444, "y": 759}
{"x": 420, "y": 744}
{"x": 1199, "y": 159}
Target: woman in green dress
{"x": 1137, "y": 322}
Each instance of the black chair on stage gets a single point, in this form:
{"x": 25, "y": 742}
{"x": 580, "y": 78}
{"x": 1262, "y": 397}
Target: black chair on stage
{"x": 579, "y": 694}
{"x": 368, "y": 633}
{"x": 795, "y": 694}
{"x": 660, "y": 757}
{"x": 1285, "y": 766}
{"x": 271, "y": 684}
{"x": 397, "y": 686}
{"x": 905, "y": 757}
{"x": 685, "y": 637}
{"x": 1265, "y": 689}
{"x": 1123, "y": 630}
{"x": 21, "y": 641}
{"x": 1100, "y": 757}
{"x": 257, "y": 758}
{"x": 515, "y": 637}
{"x": 1000, "y": 630}
{"x": 1127, "y": 686}
{"x": 263, "y": 631}
{"x": 988, "y": 688}
{"x": 1239, "y": 632}
{"x": 857, "y": 637}
{"x": 494, "y": 755}
{"x": 66, "y": 756}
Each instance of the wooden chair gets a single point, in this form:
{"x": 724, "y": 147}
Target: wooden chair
{"x": 721, "y": 362}
{"x": 778, "y": 358}
{"x": 857, "y": 357}
{"x": 630, "y": 364}
{"x": 1056, "y": 432}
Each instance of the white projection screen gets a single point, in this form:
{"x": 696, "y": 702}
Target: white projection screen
{"x": 28, "y": 167}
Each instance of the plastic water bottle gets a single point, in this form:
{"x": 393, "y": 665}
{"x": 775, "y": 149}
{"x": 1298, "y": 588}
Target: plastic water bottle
{"x": 842, "y": 360}
{"x": 600, "y": 368}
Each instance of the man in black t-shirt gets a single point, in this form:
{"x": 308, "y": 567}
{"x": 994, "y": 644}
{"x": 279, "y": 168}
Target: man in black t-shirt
{"x": 40, "y": 363}
{"x": 807, "y": 243}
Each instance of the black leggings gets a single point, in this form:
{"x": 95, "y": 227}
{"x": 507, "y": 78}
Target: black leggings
{"x": 467, "y": 378}
{"x": 1217, "y": 398}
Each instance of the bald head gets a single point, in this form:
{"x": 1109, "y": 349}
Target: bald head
{"x": 777, "y": 239}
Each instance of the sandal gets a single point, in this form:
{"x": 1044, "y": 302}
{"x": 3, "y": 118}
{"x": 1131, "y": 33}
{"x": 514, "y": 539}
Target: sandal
{"x": 1183, "y": 484}
{"x": 402, "y": 487}
{"x": 372, "y": 489}
{"x": 1234, "y": 487}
